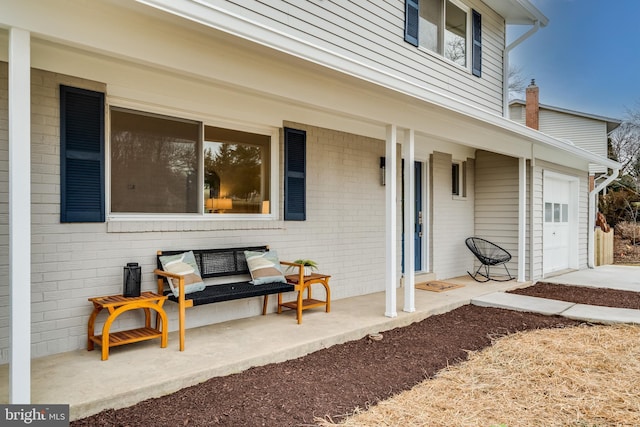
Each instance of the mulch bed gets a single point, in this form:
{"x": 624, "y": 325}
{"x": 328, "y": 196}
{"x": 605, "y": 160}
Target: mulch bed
{"x": 331, "y": 383}
{"x": 583, "y": 295}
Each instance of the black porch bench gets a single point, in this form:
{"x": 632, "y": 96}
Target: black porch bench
{"x": 218, "y": 263}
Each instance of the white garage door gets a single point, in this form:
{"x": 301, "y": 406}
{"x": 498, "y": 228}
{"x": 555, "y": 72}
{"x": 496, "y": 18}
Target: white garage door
{"x": 560, "y": 223}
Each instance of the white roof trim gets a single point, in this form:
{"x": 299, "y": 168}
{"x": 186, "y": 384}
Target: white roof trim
{"x": 568, "y": 111}
{"x": 518, "y": 12}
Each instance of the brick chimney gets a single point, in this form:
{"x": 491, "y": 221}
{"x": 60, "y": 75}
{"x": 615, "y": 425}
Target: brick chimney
{"x": 532, "y": 106}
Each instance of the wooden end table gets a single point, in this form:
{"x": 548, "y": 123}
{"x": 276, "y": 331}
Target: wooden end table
{"x": 302, "y": 303}
{"x": 118, "y": 304}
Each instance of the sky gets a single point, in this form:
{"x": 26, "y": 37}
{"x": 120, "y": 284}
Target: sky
{"x": 587, "y": 58}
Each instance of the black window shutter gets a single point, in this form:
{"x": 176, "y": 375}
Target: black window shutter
{"x": 81, "y": 155}
{"x": 411, "y": 22}
{"x": 476, "y": 61}
{"x": 295, "y": 142}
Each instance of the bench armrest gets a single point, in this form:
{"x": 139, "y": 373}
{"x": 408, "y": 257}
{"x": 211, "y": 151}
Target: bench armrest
{"x": 291, "y": 264}
{"x": 298, "y": 286}
{"x": 166, "y": 274}
{"x": 169, "y": 276}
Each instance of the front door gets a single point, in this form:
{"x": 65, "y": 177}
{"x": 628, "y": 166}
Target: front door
{"x": 419, "y": 216}
{"x": 418, "y": 227}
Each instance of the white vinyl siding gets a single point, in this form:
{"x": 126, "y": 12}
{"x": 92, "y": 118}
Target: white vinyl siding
{"x": 496, "y": 203}
{"x": 452, "y": 219}
{"x": 372, "y": 33}
{"x": 584, "y": 132}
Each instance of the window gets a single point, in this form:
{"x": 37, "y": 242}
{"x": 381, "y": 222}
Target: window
{"x": 556, "y": 212}
{"x": 154, "y": 163}
{"x": 169, "y": 165}
{"x": 236, "y": 171}
{"x": 443, "y": 29}
{"x": 459, "y": 178}
{"x": 446, "y": 27}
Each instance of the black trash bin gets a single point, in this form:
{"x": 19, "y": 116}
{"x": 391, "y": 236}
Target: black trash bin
{"x": 131, "y": 280}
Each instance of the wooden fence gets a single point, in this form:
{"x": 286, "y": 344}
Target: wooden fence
{"x": 603, "y": 247}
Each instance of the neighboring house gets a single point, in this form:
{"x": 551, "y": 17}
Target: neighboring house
{"x": 587, "y": 131}
{"x": 129, "y": 127}
{"x": 584, "y": 130}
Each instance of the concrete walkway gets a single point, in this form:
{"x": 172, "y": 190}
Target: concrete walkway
{"x": 612, "y": 277}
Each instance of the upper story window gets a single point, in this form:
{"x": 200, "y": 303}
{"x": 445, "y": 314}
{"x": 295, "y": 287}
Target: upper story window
{"x": 448, "y": 28}
{"x": 163, "y": 164}
{"x": 443, "y": 29}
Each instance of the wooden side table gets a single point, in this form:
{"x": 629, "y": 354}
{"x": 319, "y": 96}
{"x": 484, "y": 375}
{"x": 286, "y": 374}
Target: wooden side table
{"x": 302, "y": 303}
{"x": 118, "y": 304}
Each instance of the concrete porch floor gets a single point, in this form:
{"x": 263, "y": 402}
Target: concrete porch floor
{"x": 136, "y": 372}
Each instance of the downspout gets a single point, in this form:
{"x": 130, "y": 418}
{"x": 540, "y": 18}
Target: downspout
{"x": 505, "y": 66}
{"x": 592, "y": 214}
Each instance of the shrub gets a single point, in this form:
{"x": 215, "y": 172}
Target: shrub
{"x": 628, "y": 230}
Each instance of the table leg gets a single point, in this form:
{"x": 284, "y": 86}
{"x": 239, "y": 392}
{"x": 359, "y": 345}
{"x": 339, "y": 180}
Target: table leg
{"x": 160, "y": 314}
{"x": 92, "y": 322}
{"x": 147, "y": 318}
{"x": 300, "y": 302}
{"x": 325, "y": 282}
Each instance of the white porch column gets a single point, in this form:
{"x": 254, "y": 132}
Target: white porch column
{"x": 390, "y": 225}
{"x": 522, "y": 217}
{"x": 20, "y": 215}
{"x": 408, "y": 153}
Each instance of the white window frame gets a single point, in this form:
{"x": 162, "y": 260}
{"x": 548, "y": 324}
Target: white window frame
{"x": 462, "y": 179}
{"x": 202, "y": 215}
{"x": 468, "y": 38}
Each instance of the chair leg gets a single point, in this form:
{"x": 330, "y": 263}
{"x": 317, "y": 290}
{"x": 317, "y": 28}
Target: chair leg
{"x": 486, "y": 275}
{"x": 475, "y": 275}
{"x": 508, "y": 273}
{"x": 509, "y": 276}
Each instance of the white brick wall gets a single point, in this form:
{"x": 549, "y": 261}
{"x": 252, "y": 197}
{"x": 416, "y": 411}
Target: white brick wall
{"x": 344, "y": 231}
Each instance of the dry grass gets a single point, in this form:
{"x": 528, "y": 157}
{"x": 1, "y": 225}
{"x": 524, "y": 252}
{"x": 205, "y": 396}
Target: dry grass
{"x": 583, "y": 376}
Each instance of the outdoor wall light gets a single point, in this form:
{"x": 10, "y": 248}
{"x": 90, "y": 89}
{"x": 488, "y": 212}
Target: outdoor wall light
{"x": 382, "y": 170}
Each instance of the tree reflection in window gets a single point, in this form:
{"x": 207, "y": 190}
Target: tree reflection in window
{"x": 236, "y": 171}
{"x": 154, "y": 163}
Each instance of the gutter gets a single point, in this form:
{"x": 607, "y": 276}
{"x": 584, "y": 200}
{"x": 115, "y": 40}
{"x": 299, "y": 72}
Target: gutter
{"x": 505, "y": 66}
{"x": 592, "y": 214}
